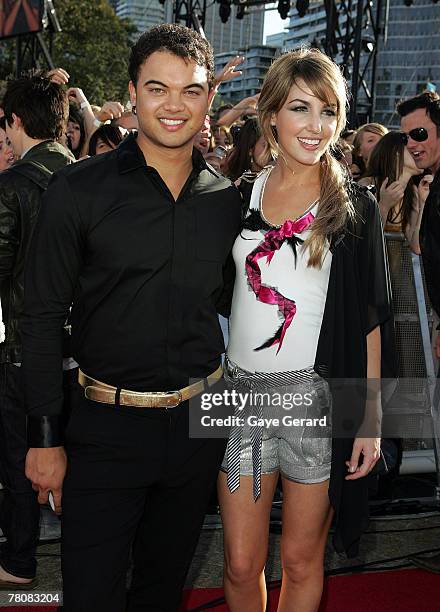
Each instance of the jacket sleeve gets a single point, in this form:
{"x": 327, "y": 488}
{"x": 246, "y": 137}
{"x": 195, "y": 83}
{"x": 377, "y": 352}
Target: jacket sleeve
{"x": 430, "y": 244}
{"x": 373, "y": 267}
{"x": 51, "y": 274}
{"x": 9, "y": 228}
{"x": 223, "y": 304}
{"x": 377, "y": 292}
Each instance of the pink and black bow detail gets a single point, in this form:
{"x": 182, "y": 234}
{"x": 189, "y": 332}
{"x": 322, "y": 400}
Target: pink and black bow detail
{"x": 273, "y": 240}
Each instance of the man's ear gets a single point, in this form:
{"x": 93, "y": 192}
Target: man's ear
{"x": 16, "y": 122}
{"x": 132, "y": 92}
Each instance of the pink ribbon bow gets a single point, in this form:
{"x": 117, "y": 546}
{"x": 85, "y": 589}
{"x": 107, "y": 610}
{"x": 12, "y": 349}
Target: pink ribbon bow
{"x": 272, "y": 242}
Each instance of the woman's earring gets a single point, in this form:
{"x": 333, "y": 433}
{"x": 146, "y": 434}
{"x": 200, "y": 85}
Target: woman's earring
{"x": 133, "y": 110}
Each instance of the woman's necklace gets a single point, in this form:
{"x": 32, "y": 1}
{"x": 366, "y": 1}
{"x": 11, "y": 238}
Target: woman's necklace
{"x": 260, "y": 203}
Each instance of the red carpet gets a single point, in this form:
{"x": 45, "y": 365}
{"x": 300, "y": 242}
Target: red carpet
{"x": 28, "y": 609}
{"x": 395, "y": 591}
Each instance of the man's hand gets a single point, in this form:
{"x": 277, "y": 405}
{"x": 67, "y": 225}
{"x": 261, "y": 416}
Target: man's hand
{"x": 370, "y": 449}
{"x": 109, "y": 111}
{"x": 46, "y": 468}
{"x": 422, "y": 191}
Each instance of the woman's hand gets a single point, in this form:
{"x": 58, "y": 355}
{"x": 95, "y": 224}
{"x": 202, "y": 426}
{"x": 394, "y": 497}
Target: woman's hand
{"x": 109, "y": 111}
{"x": 370, "y": 449}
{"x": 390, "y": 195}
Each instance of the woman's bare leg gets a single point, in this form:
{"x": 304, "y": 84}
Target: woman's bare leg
{"x": 307, "y": 516}
{"x": 246, "y": 536}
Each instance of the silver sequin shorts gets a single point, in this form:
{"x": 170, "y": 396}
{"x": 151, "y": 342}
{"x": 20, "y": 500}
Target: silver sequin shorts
{"x": 291, "y": 444}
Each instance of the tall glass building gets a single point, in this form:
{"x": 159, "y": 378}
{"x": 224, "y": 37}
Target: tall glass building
{"x": 225, "y": 37}
{"x": 409, "y": 58}
{"x": 236, "y": 33}
{"x": 143, "y": 13}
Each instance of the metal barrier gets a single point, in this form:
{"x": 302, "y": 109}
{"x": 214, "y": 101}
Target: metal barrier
{"x": 413, "y": 400}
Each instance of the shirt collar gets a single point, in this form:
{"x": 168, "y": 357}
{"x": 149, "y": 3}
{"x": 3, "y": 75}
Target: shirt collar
{"x": 130, "y": 157}
{"x": 37, "y": 144}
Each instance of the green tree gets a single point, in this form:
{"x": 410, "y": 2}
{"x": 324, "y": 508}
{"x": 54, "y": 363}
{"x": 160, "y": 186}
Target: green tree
{"x": 93, "y": 47}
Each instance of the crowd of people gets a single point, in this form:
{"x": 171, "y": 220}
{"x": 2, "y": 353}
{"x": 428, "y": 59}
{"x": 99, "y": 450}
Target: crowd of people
{"x": 124, "y": 232}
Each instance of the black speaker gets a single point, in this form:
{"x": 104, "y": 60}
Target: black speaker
{"x": 25, "y": 17}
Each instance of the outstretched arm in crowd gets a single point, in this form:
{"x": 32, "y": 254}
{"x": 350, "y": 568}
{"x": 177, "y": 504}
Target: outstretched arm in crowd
{"x": 247, "y": 106}
{"x": 109, "y": 111}
{"x": 227, "y": 73}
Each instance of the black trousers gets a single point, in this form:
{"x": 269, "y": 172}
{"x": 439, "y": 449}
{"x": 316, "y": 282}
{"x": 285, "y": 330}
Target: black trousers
{"x": 135, "y": 483}
{"x": 20, "y": 511}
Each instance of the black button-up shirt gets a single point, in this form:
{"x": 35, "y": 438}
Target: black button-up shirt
{"x": 144, "y": 273}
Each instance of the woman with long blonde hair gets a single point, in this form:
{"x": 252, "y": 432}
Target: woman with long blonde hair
{"x": 310, "y": 297}
{"x": 366, "y": 138}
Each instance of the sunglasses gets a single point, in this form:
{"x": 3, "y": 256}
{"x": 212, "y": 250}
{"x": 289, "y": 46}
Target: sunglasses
{"x": 418, "y": 134}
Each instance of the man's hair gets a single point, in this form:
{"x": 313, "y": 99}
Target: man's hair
{"x": 42, "y": 106}
{"x": 176, "y": 39}
{"x": 428, "y": 100}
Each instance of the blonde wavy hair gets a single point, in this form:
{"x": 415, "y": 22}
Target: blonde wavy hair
{"x": 324, "y": 79}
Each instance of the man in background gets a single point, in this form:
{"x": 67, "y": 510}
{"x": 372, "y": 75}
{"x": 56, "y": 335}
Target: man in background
{"x": 36, "y": 111}
{"x": 420, "y": 121}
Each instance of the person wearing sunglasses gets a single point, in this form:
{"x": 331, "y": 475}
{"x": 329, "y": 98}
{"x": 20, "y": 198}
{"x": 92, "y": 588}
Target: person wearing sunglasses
{"x": 420, "y": 120}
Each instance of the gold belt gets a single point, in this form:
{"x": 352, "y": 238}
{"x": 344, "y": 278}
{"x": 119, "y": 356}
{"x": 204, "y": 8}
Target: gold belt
{"x": 106, "y": 394}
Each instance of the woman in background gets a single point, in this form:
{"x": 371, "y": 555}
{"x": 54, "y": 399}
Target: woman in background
{"x": 7, "y": 156}
{"x": 390, "y": 173}
{"x": 367, "y": 136}
{"x": 250, "y": 152}
{"x": 76, "y": 133}
{"x": 104, "y": 139}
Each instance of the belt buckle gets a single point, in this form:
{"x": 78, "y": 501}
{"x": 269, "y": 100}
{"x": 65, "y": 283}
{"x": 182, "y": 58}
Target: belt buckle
{"x": 169, "y": 393}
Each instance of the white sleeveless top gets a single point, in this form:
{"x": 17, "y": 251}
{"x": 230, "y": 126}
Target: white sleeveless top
{"x": 253, "y": 322}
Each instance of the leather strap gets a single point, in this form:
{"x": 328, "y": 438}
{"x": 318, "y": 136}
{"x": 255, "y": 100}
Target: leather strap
{"x": 98, "y": 391}
{"x": 45, "y": 431}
